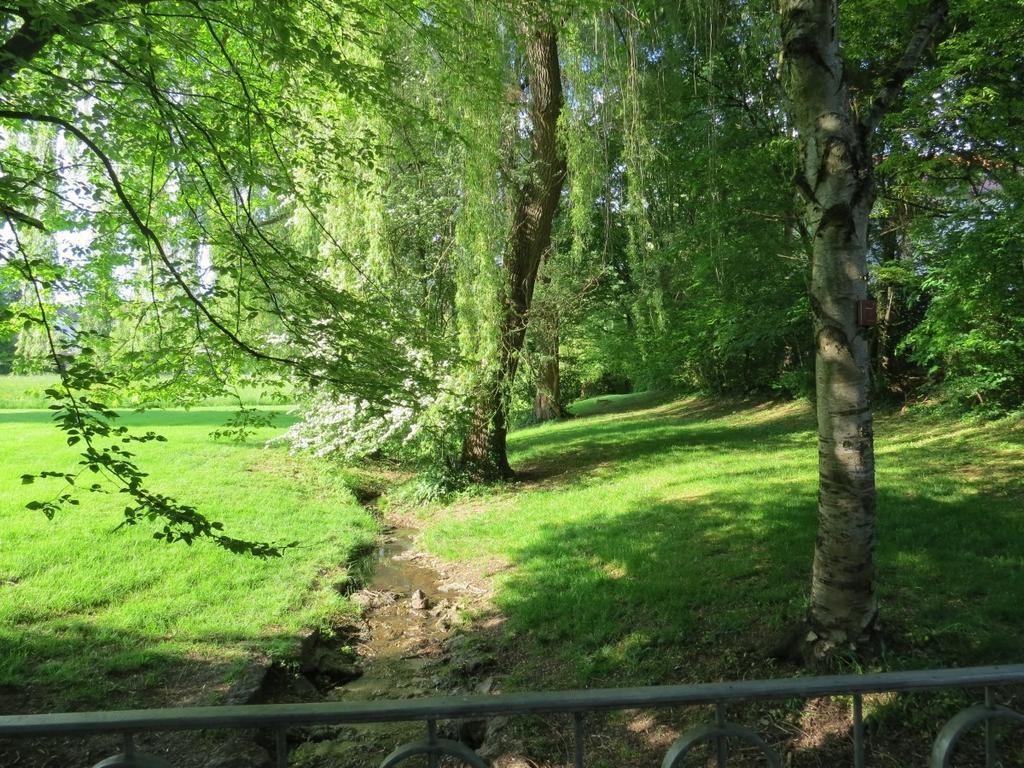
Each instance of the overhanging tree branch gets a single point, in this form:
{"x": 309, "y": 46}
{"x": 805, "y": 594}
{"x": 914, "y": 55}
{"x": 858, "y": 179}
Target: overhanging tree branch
{"x": 12, "y": 213}
{"x": 88, "y": 421}
{"x": 39, "y": 29}
{"x": 923, "y": 33}
{"x": 145, "y": 229}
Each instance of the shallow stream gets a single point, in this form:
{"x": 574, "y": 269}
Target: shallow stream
{"x": 407, "y": 615}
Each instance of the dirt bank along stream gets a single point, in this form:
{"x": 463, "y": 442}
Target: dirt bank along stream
{"x": 406, "y": 644}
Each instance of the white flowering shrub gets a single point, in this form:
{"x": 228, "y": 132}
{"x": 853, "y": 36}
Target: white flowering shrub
{"x": 423, "y": 429}
{"x": 349, "y": 428}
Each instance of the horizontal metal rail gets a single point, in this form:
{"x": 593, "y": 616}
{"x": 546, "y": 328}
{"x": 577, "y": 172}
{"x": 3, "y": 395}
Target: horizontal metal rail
{"x": 278, "y": 718}
{"x": 451, "y": 707}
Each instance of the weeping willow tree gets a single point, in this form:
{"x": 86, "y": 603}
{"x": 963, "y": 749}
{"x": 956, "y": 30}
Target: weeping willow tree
{"x": 450, "y": 221}
{"x": 576, "y": 276}
{"x": 535, "y": 178}
{"x": 164, "y": 153}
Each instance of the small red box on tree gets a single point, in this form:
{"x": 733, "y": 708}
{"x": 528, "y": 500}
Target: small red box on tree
{"x": 867, "y": 313}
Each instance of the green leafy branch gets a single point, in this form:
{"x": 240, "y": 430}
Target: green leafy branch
{"x": 88, "y": 421}
{"x": 243, "y": 424}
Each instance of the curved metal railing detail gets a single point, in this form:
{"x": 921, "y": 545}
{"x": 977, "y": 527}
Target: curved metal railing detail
{"x": 136, "y": 760}
{"x": 130, "y": 758}
{"x": 717, "y": 734}
{"x": 278, "y": 718}
{"x": 435, "y": 749}
{"x": 963, "y": 721}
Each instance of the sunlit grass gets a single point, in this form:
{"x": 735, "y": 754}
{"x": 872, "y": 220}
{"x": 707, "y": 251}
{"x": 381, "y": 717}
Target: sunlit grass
{"x": 650, "y": 545}
{"x": 28, "y": 391}
{"x": 81, "y": 601}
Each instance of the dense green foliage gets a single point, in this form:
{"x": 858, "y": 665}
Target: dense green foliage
{"x": 205, "y": 196}
{"x": 708, "y": 285}
{"x": 421, "y": 223}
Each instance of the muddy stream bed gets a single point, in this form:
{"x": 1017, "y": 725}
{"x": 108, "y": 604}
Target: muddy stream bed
{"x": 406, "y": 644}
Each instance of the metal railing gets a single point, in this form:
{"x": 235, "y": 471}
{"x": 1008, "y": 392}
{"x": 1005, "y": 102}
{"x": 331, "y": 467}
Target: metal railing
{"x": 278, "y": 718}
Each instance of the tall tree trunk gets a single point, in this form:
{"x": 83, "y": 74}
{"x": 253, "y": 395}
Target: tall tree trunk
{"x": 484, "y": 449}
{"x": 547, "y": 401}
{"x": 835, "y": 181}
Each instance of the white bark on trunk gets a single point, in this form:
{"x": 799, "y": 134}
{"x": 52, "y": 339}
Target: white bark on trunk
{"x": 835, "y": 180}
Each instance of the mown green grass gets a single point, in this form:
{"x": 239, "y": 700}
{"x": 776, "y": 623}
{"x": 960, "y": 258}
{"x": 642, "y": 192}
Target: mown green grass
{"x": 85, "y": 609}
{"x": 674, "y": 542}
{"x": 24, "y": 391}
{"x": 28, "y": 392}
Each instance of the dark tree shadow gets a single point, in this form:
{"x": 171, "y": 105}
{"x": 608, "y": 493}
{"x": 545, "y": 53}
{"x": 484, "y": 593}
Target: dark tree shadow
{"x": 695, "y": 589}
{"x": 117, "y": 669}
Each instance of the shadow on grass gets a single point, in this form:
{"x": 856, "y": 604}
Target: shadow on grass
{"x": 81, "y": 665}
{"x": 670, "y": 590}
{"x": 86, "y": 667}
{"x": 635, "y": 593}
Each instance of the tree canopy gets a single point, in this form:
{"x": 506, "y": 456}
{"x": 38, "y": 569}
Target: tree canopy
{"x": 436, "y": 220}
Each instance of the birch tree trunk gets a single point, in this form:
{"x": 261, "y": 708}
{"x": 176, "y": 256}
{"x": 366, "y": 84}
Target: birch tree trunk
{"x": 834, "y": 179}
{"x": 535, "y": 203}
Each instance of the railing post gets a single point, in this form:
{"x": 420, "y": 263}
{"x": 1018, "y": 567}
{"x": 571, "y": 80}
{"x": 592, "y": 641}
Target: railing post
{"x": 281, "y": 748}
{"x": 990, "y": 733}
{"x": 858, "y": 731}
{"x": 129, "y": 746}
{"x": 721, "y": 745}
{"x": 432, "y": 740}
{"x": 577, "y": 731}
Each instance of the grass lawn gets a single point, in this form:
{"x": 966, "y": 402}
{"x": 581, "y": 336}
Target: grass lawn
{"x": 650, "y": 540}
{"x": 658, "y": 540}
{"x": 93, "y": 617}
{"x": 26, "y": 391}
